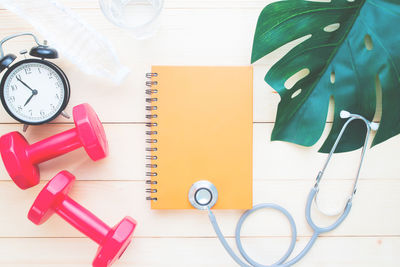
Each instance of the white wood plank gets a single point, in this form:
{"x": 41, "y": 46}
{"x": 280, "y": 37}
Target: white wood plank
{"x": 126, "y": 160}
{"x": 111, "y": 201}
{"x": 79, "y": 252}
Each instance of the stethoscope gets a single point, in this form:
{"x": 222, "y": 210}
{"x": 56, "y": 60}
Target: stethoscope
{"x": 203, "y": 195}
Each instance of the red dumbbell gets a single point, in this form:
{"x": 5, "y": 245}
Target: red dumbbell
{"x": 54, "y": 199}
{"x": 21, "y": 159}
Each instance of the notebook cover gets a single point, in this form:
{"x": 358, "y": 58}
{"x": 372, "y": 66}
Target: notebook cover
{"x": 204, "y": 132}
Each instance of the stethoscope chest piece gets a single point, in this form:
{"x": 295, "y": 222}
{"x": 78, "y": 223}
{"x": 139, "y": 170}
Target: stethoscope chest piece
{"x": 203, "y": 195}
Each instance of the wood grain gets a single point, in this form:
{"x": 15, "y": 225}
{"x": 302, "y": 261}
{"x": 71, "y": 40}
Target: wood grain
{"x": 195, "y": 32}
{"x": 375, "y": 200}
{"x": 127, "y": 156}
{"x": 329, "y": 252}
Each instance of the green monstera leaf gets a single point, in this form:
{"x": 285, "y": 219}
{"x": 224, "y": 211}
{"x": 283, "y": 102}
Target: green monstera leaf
{"x": 337, "y": 31}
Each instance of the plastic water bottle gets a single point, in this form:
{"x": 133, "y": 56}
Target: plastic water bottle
{"x": 72, "y": 36}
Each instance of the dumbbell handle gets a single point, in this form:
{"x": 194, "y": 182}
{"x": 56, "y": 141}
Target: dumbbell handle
{"x": 54, "y": 146}
{"x": 83, "y": 220}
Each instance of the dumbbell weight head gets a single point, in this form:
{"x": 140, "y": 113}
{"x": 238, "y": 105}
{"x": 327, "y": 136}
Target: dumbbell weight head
{"x": 91, "y": 131}
{"x": 21, "y": 159}
{"x": 117, "y": 242}
{"x": 51, "y": 196}
{"x": 54, "y": 199}
{"x": 13, "y": 151}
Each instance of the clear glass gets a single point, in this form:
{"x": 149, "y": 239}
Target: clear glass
{"x": 141, "y": 17}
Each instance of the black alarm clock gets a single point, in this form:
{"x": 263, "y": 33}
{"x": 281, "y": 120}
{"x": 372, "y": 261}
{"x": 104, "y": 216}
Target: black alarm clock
{"x": 33, "y": 90}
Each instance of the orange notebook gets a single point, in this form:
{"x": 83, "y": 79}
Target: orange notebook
{"x": 200, "y": 128}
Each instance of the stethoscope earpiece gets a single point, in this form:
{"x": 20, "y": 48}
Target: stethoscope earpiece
{"x": 203, "y": 195}
{"x": 374, "y": 126}
{"x": 345, "y": 114}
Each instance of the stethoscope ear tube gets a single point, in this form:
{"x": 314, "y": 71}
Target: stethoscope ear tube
{"x": 370, "y": 126}
{"x": 316, "y": 228}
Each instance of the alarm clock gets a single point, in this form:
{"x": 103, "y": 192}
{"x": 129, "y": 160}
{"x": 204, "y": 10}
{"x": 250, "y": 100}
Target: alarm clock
{"x": 33, "y": 90}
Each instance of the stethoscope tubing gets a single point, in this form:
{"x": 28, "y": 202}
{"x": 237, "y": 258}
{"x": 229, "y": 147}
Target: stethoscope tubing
{"x": 254, "y": 209}
{"x": 282, "y": 262}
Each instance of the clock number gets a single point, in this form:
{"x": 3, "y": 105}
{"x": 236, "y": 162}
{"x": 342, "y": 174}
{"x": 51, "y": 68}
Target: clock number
{"x": 18, "y": 77}
{"x": 11, "y": 99}
{"x": 27, "y": 70}
{"x": 58, "y": 84}
{"x": 50, "y": 75}
{"x": 14, "y": 87}
{"x": 57, "y": 96}
{"x": 42, "y": 112}
{"x": 19, "y": 108}
{"x": 52, "y": 107}
{"x": 39, "y": 70}
{"x": 30, "y": 112}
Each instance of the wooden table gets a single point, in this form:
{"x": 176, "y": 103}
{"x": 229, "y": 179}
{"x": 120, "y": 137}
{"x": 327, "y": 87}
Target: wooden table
{"x": 195, "y": 32}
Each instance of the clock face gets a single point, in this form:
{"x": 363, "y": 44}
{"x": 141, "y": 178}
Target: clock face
{"x": 34, "y": 91}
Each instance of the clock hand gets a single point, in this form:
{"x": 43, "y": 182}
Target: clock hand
{"x": 25, "y": 84}
{"x": 29, "y": 99}
{"x": 34, "y": 92}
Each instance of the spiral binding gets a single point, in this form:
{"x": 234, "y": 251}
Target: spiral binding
{"x": 151, "y": 108}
